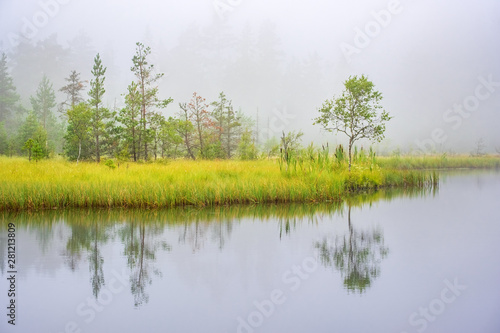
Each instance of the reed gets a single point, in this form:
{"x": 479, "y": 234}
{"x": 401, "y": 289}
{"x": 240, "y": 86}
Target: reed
{"x": 439, "y": 162}
{"x": 56, "y": 184}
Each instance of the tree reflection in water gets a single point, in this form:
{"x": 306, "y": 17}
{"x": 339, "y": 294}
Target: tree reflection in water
{"x": 356, "y": 255}
{"x": 140, "y": 249}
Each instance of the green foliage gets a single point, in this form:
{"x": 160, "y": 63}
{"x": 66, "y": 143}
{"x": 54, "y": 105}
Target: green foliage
{"x": 78, "y": 134}
{"x": 147, "y": 93}
{"x": 30, "y": 129}
{"x": 290, "y": 144}
{"x": 44, "y": 101}
{"x": 129, "y": 117}
{"x": 8, "y": 95}
{"x": 355, "y": 113}
{"x": 101, "y": 117}
{"x": 228, "y": 124}
{"x": 246, "y": 147}
{"x": 35, "y": 145}
{"x": 28, "y": 146}
{"x": 339, "y": 154}
{"x": 38, "y": 151}
{"x": 57, "y": 183}
{"x": 110, "y": 164}
{"x": 271, "y": 147}
{"x": 4, "y": 140}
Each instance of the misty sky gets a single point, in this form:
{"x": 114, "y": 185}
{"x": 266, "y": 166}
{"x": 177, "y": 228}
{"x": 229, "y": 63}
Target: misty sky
{"x": 435, "y": 62}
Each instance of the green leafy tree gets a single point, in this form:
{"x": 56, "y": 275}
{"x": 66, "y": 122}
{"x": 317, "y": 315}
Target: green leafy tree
{"x": 36, "y": 142}
{"x": 28, "y": 146}
{"x": 186, "y": 131}
{"x": 156, "y": 124}
{"x": 44, "y": 101}
{"x": 146, "y": 81}
{"x": 355, "y": 113}
{"x": 246, "y": 147}
{"x": 357, "y": 256}
{"x": 129, "y": 117}
{"x": 27, "y": 130}
{"x": 100, "y": 115}
{"x": 8, "y": 95}
{"x": 170, "y": 138}
{"x": 38, "y": 151}
{"x": 78, "y": 137}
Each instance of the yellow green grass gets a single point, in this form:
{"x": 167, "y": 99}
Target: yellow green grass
{"x": 50, "y": 184}
{"x": 439, "y": 162}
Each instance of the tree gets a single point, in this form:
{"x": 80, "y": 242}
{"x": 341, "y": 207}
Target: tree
{"x": 170, "y": 137}
{"x": 4, "y": 140}
{"x": 78, "y": 132}
{"x": 148, "y": 92}
{"x": 72, "y": 90}
{"x": 227, "y": 123}
{"x": 129, "y": 117}
{"x": 33, "y": 137}
{"x": 44, "y": 101}
{"x": 355, "y": 113}
{"x": 28, "y": 130}
{"x": 357, "y": 256}
{"x": 28, "y": 145}
{"x": 197, "y": 112}
{"x": 100, "y": 115}
{"x": 479, "y": 148}
{"x": 157, "y": 121}
{"x": 289, "y": 143}
{"x": 246, "y": 147}
{"x": 8, "y": 95}
{"x": 185, "y": 129}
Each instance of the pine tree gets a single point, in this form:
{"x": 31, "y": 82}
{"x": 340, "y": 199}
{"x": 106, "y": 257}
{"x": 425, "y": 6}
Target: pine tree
{"x": 43, "y": 101}
{"x": 8, "y": 95}
{"x": 146, "y": 79}
{"x": 100, "y": 115}
{"x": 72, "y": 90}
{"x": 4, "y": 140}
{"x": 32, "y": 129}
{"x": 27, "y": 130}
{"x": 227, "y": 124}
{"x": 198, "y": 114}
{"x": 129, "y": 117}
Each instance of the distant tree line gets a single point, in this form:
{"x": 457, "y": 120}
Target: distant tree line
{"x": 82, "y": 128}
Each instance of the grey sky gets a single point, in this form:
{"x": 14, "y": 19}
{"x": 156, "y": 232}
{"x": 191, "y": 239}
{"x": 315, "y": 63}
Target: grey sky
{"x": 427, "y": 57}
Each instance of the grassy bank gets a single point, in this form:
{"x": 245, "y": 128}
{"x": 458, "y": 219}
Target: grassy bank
{"x": 52, "y": 184}
{"x": 439, "y": 162}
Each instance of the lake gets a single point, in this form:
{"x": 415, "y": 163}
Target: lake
{"x": 392, "y": 261}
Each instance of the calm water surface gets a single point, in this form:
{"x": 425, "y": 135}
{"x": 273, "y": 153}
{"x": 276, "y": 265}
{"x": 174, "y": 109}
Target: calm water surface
{"x": 400, "y": 261}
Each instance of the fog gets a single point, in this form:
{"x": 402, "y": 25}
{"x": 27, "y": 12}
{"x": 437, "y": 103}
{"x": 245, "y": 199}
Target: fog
{"x": 435, "y": 62}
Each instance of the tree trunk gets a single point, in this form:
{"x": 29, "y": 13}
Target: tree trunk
{"x": 79, "y": 151}
{"x": 350, "y": 147}
{"x": 133, "y": 144}
{"x": 97, "y": 152}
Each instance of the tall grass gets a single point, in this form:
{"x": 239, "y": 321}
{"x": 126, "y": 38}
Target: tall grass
{"x": 54, "y": 184}
{"x": 438, "y": 162}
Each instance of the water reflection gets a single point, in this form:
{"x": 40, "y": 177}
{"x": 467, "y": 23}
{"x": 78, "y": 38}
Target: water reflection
{"x": 356, "y": 255}
{"x": 142, "y": 235}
